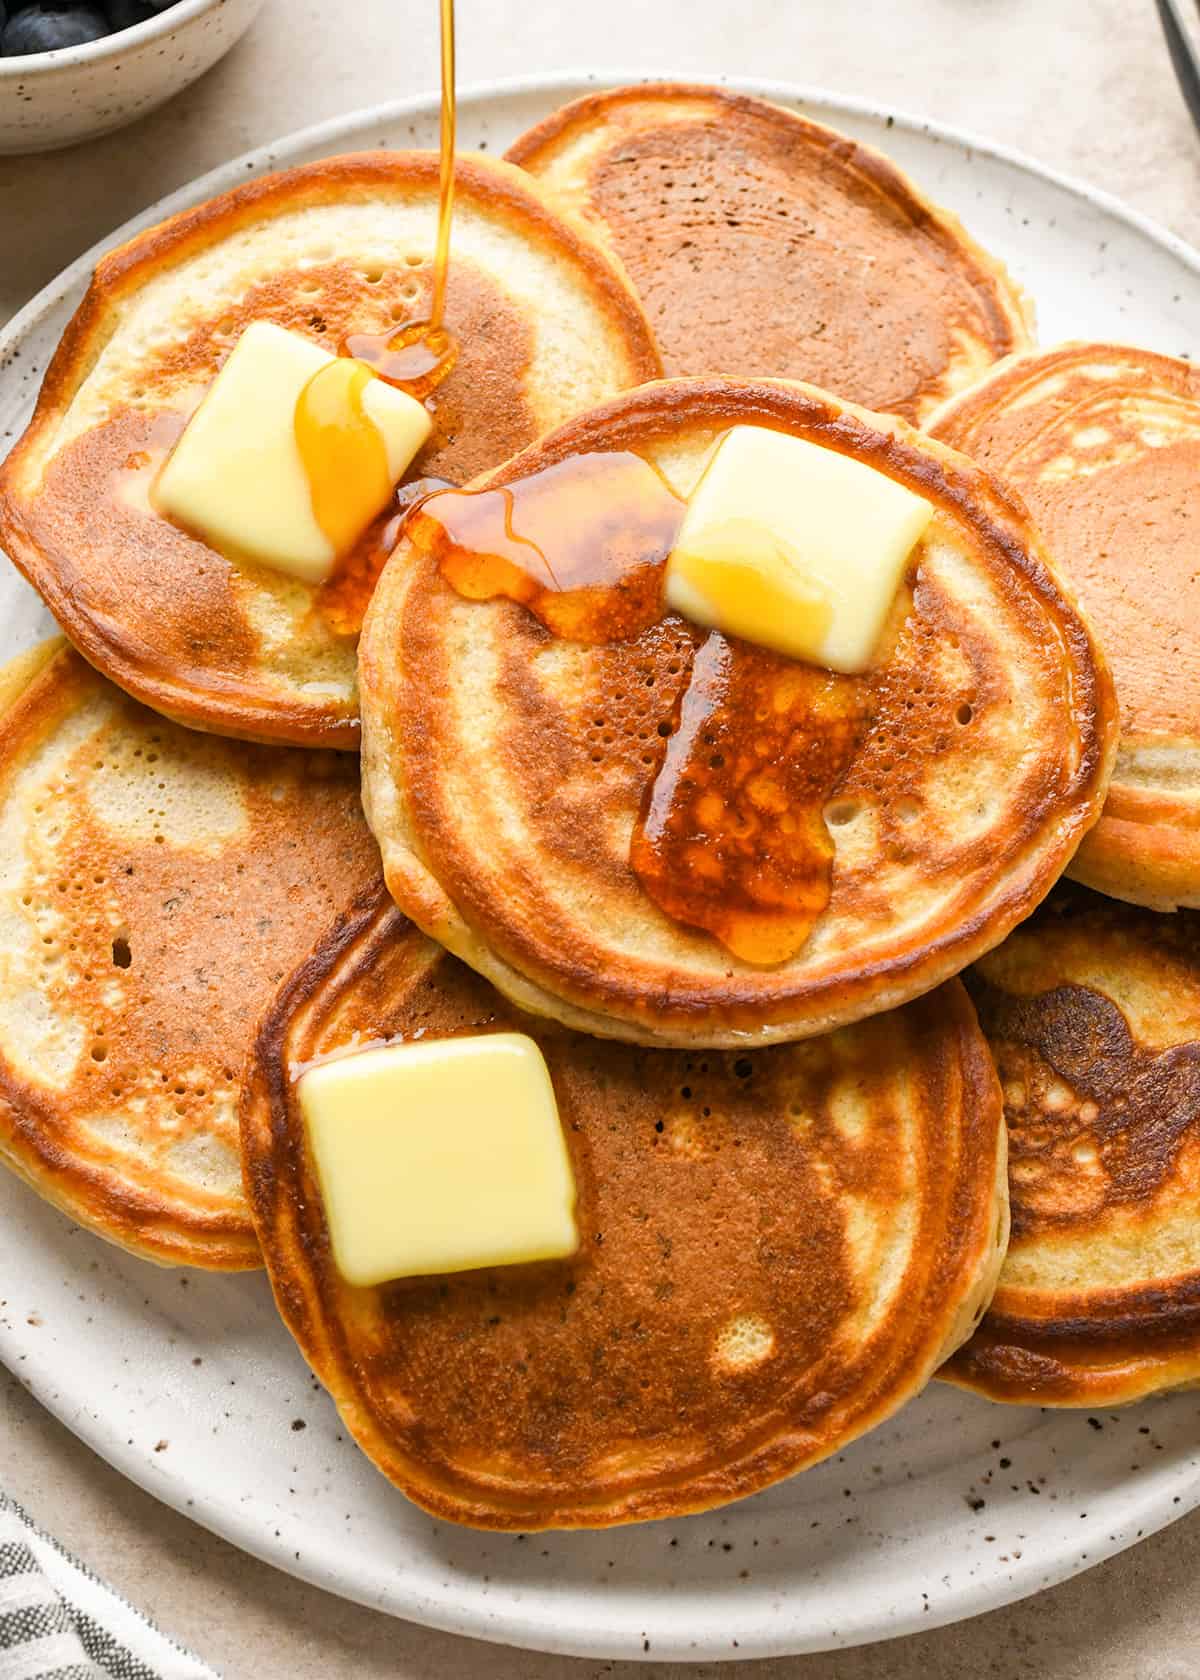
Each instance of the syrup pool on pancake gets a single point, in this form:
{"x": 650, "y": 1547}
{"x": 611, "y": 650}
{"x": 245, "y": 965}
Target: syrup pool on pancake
{"x": 921, "y": 698}
{"x": 789, "y": 556}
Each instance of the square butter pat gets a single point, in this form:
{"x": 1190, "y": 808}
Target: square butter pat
{"x": 440, "y": 1157}
{"x": 795, "y": 547}
{"x": 236, "y": 476}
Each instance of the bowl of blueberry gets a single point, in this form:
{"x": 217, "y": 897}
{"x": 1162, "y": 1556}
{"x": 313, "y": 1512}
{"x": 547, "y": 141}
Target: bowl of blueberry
{"x": 74, "y": 69}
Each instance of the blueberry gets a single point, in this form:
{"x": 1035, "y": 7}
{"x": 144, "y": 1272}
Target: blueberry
{"x": 44, "y": 28}
{"x": 122, "y": 14}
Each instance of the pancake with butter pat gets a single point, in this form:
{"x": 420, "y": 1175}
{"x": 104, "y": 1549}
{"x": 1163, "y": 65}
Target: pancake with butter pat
{"x": 155, "y": 886}
{"x": 506, "y": 768}
{"x": 1092, "y": 1010}
{"x": 774, "y": 1249}
{"x": 546, "y": 326}
{"x": 1103, "y": 442}
{"x": 763, "y": 244}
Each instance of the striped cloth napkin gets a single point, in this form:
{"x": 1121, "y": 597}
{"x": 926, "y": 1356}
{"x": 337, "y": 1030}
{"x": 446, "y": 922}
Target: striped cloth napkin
{"x": 58, "y": 1621}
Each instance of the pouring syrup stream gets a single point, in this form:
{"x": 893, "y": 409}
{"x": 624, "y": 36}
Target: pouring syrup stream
{"x": 420, "y": 354}
{"x": 338, "y": 444}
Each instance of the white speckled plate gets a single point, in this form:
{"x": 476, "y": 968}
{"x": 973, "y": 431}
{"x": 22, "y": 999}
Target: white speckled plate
{"x": 191, "y": 1386}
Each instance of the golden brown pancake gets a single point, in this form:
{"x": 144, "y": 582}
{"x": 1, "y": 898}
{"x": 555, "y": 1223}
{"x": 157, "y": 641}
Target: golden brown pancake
{"x": 763, "y": 244}
{"x": 155, "y": 886}
{"x": 774, "y": 1248}
{"x": 546, "y": 326}
{"x": 1103, "y": 442}
{"x": 505, "y": 768}
{"x": 1092, "y": 1010}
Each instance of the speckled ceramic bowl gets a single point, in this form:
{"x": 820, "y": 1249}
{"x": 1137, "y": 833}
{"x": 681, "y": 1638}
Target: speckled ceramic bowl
{"x": 54, "y": 99}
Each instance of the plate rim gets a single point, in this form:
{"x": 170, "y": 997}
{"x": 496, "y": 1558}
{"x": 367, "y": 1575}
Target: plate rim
{"x": 513, "y": 1624}
{"x": 222, "y": 177}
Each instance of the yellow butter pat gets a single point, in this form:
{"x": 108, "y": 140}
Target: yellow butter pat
{"x": 795, "y": 547}
{"x": 440, "y": 1157}
{"x": 238, "y": 478}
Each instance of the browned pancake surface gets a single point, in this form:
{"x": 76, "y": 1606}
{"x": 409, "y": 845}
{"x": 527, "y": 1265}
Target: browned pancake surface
{"x": 230, "y": 645}
{"x": 773, "y": 1248}
{"x": 156, "y": 885}
{"x": 763, "y": 244}
{"x": 1103, "y": 442}
{"x": 505, "y": 767}
{"x": 1092, "y": 1010}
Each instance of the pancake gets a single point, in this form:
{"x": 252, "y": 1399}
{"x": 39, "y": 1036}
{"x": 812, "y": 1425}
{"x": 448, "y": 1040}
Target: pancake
{"x": 1103, "y": 442}
{"x": 773, "y": 1251}
{"x": 505, "y": 769}
{"x": 546, "y": 326}
{"x": 1093, "y": 1014}
{"x": 155, "y": 886}
{"x": 763, "y": 244}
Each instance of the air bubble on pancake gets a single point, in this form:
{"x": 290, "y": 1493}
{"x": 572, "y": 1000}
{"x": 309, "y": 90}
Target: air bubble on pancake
{"x": 625, "y": 707}
{"x": 840, "y": 813}
{"x": 743, "y": 1343}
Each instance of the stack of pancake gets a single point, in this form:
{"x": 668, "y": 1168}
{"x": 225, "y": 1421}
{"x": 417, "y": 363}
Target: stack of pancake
{"x": 796, "y": 1177}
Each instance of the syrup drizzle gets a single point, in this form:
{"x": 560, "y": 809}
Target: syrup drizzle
{"x": 449, "y": 115}
{"x": 731, "y": 834}
{"x": 345, "y": 460}
{"x": 419, "y": 354}
{"x": 595, "y": 576}
{"x": 344, "y": 598}
{"x": 344, "y": 457}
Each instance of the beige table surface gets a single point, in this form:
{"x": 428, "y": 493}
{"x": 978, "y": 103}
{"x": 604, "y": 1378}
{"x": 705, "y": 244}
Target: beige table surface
{"x": 1082, "y": 84}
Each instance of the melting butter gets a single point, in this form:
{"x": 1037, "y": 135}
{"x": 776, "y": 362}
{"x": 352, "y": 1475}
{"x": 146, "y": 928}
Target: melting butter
{"x": 794, "y": 547}
{"x": 291, "y": 453}
{"x": 439, "y": 1157}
